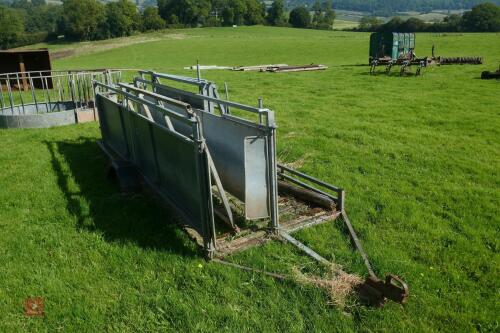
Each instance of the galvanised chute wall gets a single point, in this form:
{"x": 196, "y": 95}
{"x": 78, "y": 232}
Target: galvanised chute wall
{"x": 174, "y": 164}
{"x": 243, "y": 151}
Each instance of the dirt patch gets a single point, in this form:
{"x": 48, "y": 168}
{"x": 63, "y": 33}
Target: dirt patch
{"x": 94, "y": 47}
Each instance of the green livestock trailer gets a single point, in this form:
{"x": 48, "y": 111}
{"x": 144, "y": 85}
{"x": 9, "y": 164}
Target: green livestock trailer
{"x": 391, "y": 45}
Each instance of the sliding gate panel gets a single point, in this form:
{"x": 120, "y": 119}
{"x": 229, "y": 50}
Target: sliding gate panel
{"x": 180, "y": 173}
{"x": 144, "y": 153}
{"x": 174, "y": 164}
{"x": 239, "y": 153}
{"x": 112, "y": 128}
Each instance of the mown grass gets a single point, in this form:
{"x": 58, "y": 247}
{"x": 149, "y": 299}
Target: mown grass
{"x": 418, "y": 156}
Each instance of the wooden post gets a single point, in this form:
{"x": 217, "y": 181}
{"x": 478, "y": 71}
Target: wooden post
{"x": 22, "y": 69}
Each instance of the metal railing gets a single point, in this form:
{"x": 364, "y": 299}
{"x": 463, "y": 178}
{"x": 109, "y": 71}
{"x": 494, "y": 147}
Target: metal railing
{"x": 36, "y": 92}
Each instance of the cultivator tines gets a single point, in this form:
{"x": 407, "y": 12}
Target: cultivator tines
{"x": 460, "y": 60}
{"x": 404, "y": 64}
{"x": 214, "y": 166}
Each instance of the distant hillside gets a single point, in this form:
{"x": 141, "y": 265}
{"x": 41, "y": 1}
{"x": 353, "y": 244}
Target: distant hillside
{"x": 390, "y": 7}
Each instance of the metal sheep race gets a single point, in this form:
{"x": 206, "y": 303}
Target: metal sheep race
{"x": 214, "y": 161}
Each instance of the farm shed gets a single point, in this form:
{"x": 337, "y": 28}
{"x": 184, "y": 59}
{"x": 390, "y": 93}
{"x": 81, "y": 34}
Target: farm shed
{"x": 22, "y": 61}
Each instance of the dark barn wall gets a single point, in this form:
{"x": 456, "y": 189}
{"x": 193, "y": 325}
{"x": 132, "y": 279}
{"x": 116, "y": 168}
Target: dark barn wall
{"x": 26, "y": 61}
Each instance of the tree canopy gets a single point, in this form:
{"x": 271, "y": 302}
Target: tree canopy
{"x": 300, "y": 17}
{"x": 482, "y": 18}
{"x": 276, "y": 13}
{"x": 391, "y": 7}
{"x": 12, "y": 23}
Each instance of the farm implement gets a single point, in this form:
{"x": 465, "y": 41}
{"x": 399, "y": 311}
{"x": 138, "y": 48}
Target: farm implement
{"x": 487, "y": 75}
{"x": 404, "y": 63}
{"x": 458, "y": 60}
{"x": 398, "y": 49}
{"x": 214, "y": 162}
{"x": 394, "y": 49}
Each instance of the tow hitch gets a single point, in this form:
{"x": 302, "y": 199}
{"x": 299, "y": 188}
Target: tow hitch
{"x": 375, "y": 291}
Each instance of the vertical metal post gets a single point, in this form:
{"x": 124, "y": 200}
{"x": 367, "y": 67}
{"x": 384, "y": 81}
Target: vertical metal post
{"x": 72, "y": 88}
{"x": 59, "y": 93}
{"x": 226, "y": 90}
{"x": 198, "y": 71}
{"x": 33, "y": 95}
{"x": 341, "y": 200}
{"x": 20, "y": 92}
{"x": 43, "y": 91}
{"x": 1, "y": 92}
{"x": 48, "y": 92}
{"x": 273, "y": 171}
{"x": 11, "y": 98}
{"x": 261, "y": 106}
{"x": 78, "y": 89}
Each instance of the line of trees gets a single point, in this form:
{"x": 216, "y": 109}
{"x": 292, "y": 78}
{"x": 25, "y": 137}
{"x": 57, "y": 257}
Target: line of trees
{"x": 26, "y": 22}
{"x": 390, "y": 7}
{"x": 482, "y": 18}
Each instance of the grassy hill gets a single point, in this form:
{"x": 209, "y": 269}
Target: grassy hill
{"x": 418, "y": 156}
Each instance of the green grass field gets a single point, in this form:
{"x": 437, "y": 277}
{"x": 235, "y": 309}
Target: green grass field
{"x": 419, "y": 158}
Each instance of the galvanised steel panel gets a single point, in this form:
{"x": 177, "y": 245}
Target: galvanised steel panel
{"x": 176, "y": 166}
{"x": 143, "y": 149}
{"x": 256, "y": 191}
{"x": 179, "y": 175}
{"x": 231, "y": 152}
{"x": 111, "y": 122}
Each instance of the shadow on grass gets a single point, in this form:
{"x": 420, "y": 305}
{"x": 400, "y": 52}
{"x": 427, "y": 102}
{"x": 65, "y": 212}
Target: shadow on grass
{"x": 98, "y": 205}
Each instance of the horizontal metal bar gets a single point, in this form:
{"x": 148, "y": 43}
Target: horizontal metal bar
{"x": 155, "y": 95}
{"x": 136, "y": 99}
{"x": 307, "y": 186}
{"x": 63, "y": 72}
{"x": 314, "y": 222}
{"x": 250, "y": 269}
{"x": 304, "y": 248}
{"x": 211, "y": 99}
{"x": 181, "y": 79}
{"x": 309, "y": 178}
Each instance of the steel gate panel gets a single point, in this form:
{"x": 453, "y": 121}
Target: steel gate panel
{"x": 175, "y": 165}
{"x": 144, "y": 156}
{"x": 111, "y": 121}
{"x": 178, "y": 173}
{"x": 227, "y": 140}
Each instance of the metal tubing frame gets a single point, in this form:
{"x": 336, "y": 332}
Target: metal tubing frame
{"x": 339, "y": 199}
{"x": 78, "y": 83}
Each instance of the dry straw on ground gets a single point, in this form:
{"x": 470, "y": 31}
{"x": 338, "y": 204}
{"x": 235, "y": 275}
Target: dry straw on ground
{"x": 338, "y": 284}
